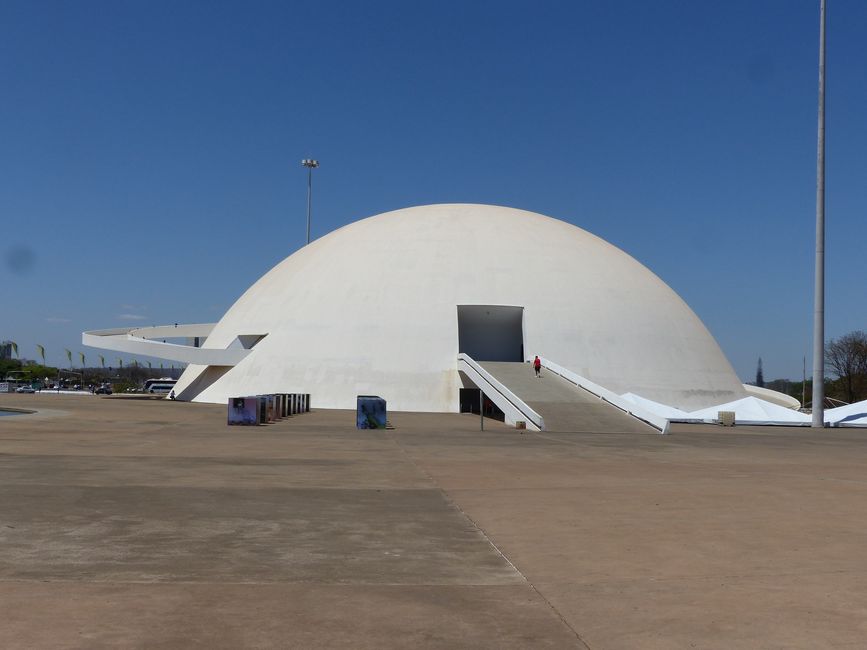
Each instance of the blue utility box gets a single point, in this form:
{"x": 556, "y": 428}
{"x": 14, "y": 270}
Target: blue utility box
{"x": 370, "y": 413}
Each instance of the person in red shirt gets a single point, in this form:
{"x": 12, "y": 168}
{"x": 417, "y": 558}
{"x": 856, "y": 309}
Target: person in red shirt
{"x": 537, "y": 366}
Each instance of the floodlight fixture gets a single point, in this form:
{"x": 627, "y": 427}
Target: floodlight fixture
{"x": 310, "y": 164}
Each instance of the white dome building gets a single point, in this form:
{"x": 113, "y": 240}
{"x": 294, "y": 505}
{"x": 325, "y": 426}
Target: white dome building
{"x": 384, "y": 306}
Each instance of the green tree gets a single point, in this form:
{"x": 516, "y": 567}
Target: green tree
{"x": 9, "y": 366}
{"x": 846, "y": 358}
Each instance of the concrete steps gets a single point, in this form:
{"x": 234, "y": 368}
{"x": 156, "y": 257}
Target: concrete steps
{"x": 564, "y": 406}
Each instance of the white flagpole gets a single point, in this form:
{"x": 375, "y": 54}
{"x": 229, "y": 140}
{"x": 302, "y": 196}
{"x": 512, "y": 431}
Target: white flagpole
{"x": 819, "y": 304}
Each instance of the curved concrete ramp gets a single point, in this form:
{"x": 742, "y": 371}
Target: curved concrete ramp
{"x": 562, "y": 405}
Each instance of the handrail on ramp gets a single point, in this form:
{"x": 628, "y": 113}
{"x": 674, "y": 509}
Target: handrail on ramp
{"x": 510, "y": 404}
{"x": 654, "y": 420}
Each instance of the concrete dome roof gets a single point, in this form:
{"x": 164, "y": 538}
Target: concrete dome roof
{"x": 372, "y": 308}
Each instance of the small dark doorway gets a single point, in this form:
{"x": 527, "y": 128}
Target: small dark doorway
{"x": 491, "y": 332}
{"x": 469, "y": 399}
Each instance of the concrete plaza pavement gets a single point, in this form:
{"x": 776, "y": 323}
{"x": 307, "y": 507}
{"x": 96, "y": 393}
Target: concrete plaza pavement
{"x": 140, "y": 523}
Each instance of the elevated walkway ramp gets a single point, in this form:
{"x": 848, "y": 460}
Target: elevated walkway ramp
{"x": 563, "y": 405}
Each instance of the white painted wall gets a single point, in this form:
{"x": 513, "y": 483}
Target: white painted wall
{"x": 371, "y": 309}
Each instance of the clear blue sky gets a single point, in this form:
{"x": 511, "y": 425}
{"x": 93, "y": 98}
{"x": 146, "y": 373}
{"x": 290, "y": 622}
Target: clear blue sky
{"x": 149, "y": 151}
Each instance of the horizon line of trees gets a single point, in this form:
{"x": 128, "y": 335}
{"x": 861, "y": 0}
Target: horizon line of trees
{"x": 40, "y": 350}
{"x": 131, "y": 372}
{"x": 846, "y": 371}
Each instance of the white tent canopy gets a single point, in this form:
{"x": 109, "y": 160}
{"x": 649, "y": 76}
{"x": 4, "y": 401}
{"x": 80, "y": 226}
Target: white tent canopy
{"x": 752, "y": 409}
{"x": 851, "y": 414}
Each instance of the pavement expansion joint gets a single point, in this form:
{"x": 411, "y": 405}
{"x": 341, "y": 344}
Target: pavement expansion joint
{"x": 493, "y": 545}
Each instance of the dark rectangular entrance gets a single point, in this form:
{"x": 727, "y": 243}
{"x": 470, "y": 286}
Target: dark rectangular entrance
{"x": 470, "y": 399}
{"x": 491, "y": 332}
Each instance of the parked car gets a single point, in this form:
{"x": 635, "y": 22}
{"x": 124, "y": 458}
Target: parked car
{"x": 25, "y": 389}
{"x": 103, "y": 390}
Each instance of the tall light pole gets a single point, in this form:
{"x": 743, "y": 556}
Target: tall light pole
{"x": 819, "y": 299}
{"x": 310, "y": 165}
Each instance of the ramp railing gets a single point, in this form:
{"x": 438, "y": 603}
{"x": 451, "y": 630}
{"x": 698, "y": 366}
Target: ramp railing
{"x": 510, "y": 404}
{"x": 654, "y": 420}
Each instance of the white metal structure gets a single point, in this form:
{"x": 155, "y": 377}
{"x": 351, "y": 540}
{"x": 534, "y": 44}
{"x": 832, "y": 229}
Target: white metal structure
{"x": 373, "y": 308}
{"x": 773, "y": 396}
{"x": 150, "y": 341}
{"x": 818, "y": 418}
